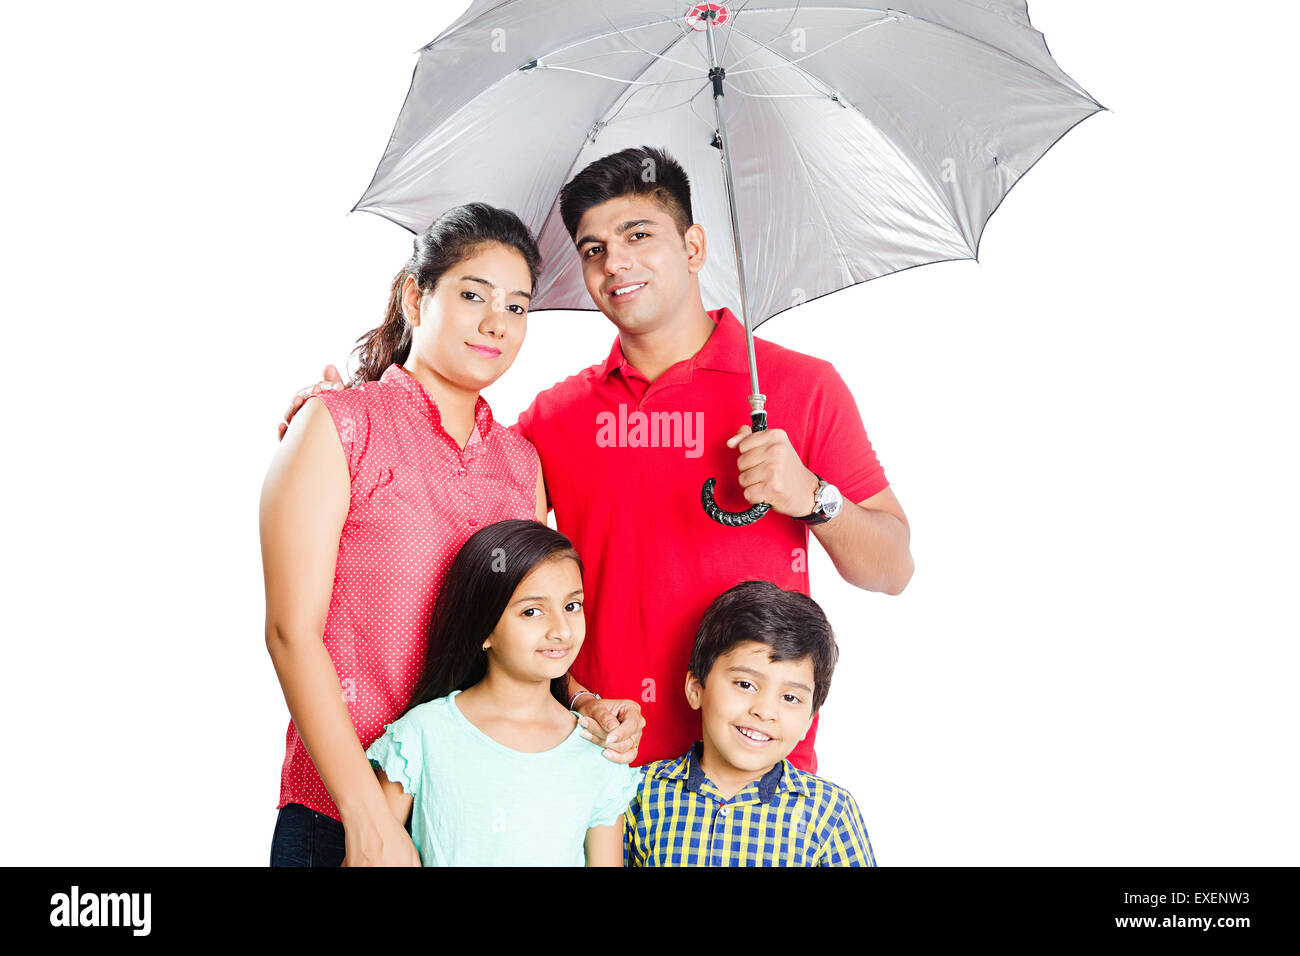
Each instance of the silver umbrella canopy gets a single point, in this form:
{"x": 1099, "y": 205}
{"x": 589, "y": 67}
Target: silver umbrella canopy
{"x": 831, "y": 143}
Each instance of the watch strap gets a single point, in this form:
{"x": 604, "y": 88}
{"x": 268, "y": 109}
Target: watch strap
{"x": 817, "y": 516}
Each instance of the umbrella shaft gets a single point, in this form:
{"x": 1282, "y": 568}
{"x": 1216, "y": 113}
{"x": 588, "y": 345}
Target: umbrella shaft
{"x": 717, "y": 73}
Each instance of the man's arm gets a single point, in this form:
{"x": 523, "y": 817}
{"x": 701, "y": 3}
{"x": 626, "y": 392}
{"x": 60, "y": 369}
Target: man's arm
{"x": 869, "y": 542}
{"x": 620, "y": 720}
{"x": 331, "y": 380}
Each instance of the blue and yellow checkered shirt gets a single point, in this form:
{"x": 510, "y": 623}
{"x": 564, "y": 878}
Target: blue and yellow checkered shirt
{"x": 786, "y": 818}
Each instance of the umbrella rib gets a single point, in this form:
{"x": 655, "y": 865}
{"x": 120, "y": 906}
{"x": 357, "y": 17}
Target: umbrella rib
{"x": 722, "y": 57}
{"x": 847, "y": 36}
{"x": 621, "y": 32}
{"x": 664, "y": 19}
{"x": 662, "y": 109}
{"x": 762, "y": 45}
{"x": 912, "y": 164}
{"x": 505, "y": 3}
{"x": 616, "y": 79}
{"x": 448, "y": 32}
{"x": 809, "y": 77}
{"x": 554, "y": 206}
{"x": 793, "y": 11}
{"x": 681, "y": 28}
{"x": 681, "y": 33}
{"x": 596, "y": 56}
{"x": 779, "y": 96}
{"x": 821, "y": 88}
{"x": 816, "y": 198}
{"x": 933, "y": 23}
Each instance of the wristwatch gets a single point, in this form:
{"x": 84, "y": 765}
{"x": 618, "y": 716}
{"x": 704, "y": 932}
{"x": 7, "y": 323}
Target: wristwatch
{"x": 828, "y": 504}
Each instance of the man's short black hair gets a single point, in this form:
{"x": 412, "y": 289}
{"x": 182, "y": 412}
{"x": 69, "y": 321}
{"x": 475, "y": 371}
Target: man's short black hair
{"x": 637, "y": 170}
{"x": 791, "y": 624}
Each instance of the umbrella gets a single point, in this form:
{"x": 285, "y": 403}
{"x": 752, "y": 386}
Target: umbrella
{"x": 843, "y": 143}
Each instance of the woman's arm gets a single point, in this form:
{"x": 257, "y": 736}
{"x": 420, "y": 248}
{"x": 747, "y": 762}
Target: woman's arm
{"x": 304, "y": 505}
{"x": 605, "y": 845}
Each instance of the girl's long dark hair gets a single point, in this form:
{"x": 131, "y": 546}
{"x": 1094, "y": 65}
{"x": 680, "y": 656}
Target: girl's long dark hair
{"x": 478, "y": 587}
{"x": 455, "y": 236}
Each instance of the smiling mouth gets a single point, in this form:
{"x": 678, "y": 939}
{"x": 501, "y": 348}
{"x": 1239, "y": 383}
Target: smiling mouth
{"x": 753, "y": 736}
{"x": 485, "y": 350}
{"x": 627, "y": 290}
{"x": 554, "y": 652}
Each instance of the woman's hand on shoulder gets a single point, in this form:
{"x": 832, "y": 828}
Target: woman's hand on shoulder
{"x": 615, "y": 725}
{"x": 330, "y": 380}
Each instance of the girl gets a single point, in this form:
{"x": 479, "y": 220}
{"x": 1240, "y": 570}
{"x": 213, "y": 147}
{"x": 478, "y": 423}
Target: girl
{"x": 488, "y": 762}
{"x": 370, "y": 495}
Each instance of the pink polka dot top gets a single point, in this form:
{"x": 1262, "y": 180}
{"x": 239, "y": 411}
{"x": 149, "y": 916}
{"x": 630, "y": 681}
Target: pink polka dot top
{"x": 416, "y": 497}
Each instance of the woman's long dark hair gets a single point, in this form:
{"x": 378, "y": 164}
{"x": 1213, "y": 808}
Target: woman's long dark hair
{"x": 478, "y": 587}
{"x": 457, "y": 235}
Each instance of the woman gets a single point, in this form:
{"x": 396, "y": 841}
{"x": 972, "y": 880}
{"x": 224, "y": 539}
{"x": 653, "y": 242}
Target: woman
{"x": 369, "y": 498}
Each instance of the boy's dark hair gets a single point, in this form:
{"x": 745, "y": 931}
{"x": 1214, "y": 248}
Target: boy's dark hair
{"x": 790, "y": 623}
{"x": 637, "y": 170}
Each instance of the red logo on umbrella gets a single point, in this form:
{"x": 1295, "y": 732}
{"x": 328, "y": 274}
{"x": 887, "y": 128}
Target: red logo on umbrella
{"x": 695, "y": 15}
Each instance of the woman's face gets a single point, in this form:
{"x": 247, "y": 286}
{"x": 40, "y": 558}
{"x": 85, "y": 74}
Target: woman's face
{"x": 542, "y": 628}
{"x": 468, "y": 330}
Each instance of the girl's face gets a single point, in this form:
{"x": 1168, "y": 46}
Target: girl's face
{"x": 469, "y": 329}
{"x": 542, "y": 628}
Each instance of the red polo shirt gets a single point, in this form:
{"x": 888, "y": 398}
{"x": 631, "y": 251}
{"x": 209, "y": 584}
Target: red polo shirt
{"x": 624, "y": 459}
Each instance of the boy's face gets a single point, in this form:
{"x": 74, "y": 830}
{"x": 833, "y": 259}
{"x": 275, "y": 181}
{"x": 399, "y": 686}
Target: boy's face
{"x": 754, "y": 710}
{"x": 629, "y": 241}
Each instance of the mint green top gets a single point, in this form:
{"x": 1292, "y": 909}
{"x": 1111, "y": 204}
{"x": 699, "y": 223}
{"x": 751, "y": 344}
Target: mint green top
{"x": 479, "y": 803}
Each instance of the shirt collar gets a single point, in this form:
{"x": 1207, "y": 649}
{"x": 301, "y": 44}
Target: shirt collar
{"x": 725, "y": 350}
{"x": 782, "y": 776}
{"x": 422, "y": 401}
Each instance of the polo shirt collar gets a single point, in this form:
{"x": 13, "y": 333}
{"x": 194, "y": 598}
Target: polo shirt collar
{"x": 688, "y": 767}
{"x": 725, "y": 350}
{"x": 418, "y": 398}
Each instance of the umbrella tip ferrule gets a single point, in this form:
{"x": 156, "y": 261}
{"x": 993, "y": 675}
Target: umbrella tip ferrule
{"x": 531, "y": 64}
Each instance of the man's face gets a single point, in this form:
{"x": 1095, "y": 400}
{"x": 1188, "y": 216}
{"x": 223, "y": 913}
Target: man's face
{"x": 631, "y": 241}
{"x": 754, "y": 710}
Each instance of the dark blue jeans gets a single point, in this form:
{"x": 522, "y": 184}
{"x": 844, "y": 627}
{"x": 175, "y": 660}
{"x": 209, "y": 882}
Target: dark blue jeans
{"x": 306, "y": 837}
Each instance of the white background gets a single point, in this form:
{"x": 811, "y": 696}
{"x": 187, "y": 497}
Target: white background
{"x": 1092, "y": 431}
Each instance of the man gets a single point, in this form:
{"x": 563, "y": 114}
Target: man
{"x": 625, "y": 446}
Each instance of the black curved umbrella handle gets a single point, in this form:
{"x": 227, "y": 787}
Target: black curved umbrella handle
{"x": 735, "y": 519}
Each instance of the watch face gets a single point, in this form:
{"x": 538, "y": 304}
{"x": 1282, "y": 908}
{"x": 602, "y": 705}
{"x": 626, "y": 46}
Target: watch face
{"x": 831, "y": 502}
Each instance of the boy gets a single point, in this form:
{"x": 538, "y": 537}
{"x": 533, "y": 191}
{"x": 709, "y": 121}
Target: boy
{"x": 759, "y": 671}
